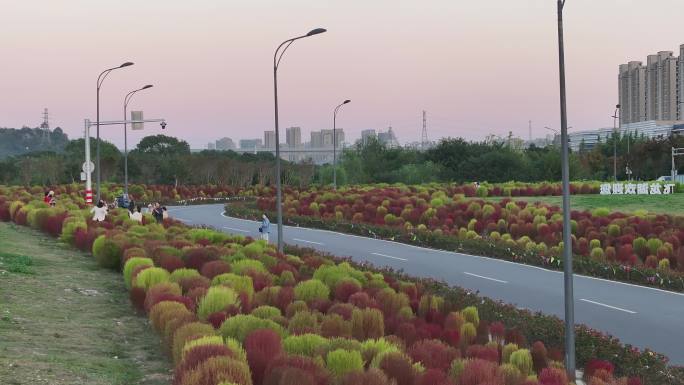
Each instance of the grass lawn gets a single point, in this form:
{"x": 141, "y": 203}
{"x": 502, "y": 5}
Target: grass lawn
{"x": 666, "y": 204}
{"x": 64, "y": 320}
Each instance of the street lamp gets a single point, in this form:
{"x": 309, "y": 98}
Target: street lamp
{"x": 100, "y": 80}
{"x": 567, "y": 241}
{"x": 335, "y": 143}
{"x": 615, "y": 118}
{"x": 276, "y": 62}
{"x": 127, "y": 99}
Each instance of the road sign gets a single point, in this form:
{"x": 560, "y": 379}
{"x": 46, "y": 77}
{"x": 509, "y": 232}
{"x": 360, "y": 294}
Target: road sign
{"x": 137, "y": 115}
{"x": 85, "y": 165}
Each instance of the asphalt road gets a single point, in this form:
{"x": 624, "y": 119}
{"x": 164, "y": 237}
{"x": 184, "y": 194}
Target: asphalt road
{"x": 637, "y": 315}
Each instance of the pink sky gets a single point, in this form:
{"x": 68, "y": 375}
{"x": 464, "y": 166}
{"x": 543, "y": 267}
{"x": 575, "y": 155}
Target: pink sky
{"x": 477, "y": 67}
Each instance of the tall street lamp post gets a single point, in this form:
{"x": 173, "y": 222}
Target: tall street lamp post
{"x": 100, "y": 80}
{"x": 615, "y": 136}
{"x": 277, "y": 56}
{"x": 127, "y": 99}
{"x": 335, "y": 142}
{"x": 567, "y": 241}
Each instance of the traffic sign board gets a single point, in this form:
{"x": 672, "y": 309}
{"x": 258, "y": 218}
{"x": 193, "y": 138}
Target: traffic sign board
{"x": 85, "y": 167}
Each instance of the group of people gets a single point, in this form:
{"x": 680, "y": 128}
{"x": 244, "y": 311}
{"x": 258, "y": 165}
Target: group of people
{"x": 159, "y": 212}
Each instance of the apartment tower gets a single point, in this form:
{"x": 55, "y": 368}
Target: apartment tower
{"x": 653, "y": 91}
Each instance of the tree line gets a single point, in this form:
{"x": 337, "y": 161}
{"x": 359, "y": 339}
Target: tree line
{"x": 460, "y": 161}
{"x": 161, "y": 159}
{"x": 157, "y": 159}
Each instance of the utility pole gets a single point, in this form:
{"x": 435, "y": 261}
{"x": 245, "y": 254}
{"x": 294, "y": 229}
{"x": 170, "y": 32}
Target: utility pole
{"x": 567, "y": 240}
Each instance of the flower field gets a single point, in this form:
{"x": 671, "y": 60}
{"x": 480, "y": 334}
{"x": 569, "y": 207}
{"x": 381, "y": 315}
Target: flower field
{"x": 646, "y": 248}
{"x": 231, "y": 310}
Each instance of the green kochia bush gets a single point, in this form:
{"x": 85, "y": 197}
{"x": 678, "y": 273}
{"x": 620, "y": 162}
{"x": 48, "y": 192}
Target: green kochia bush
{"x": 241, "y": 325}
{"x": 241, "y": 267}
{"x": 69, "y": 227}
{"x": 107, "y": 252}
{"x": 240, "y": 283}
{"x": 182, "y": 273}
{"x": 341, "y": 362}
{"x": 310, "y": 290}
{"x": 522, "y": 359}
{"x": 305, "y": 344}
{"x": 131, "y": 264}
{"x": 150, "y": 277}
{"x": 218, "y": 298}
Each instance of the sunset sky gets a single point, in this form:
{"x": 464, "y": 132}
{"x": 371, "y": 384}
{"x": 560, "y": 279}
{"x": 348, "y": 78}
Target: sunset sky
{"x": 477, "y": 67}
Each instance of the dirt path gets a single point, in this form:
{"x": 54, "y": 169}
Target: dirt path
{"x": 64, "y": 320}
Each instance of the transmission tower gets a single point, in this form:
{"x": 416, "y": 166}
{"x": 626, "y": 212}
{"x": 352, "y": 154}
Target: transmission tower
{"x": 45, "y": 127}
{"x": 424, "y": 137}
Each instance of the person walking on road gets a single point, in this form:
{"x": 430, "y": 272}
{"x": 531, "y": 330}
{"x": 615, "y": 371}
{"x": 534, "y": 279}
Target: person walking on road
{"x": 265, "y": 227}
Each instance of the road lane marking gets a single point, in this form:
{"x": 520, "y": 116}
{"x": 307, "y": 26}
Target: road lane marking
{"x": 608, "y": 306}
{"x": 305, "y": 241}
{"x": 483, "y": 277}
{"x": 389, "y": 256}
{"x": 234, "y": 229}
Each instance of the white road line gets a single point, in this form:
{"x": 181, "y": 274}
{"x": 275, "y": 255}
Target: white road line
{"x": 234, "y": 229}
{"x": 608, "y": 306}
{"x": 483, "y": 277}
{"x": 389, "y": 256}
{"x": 305, "y": 241}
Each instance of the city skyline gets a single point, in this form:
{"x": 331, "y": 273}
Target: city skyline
{"x": 210, "y": 64}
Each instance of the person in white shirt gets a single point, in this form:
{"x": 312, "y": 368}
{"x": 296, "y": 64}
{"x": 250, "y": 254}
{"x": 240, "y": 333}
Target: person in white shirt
{"x": 99, "y": 212}
{"x": 136, "y": 215}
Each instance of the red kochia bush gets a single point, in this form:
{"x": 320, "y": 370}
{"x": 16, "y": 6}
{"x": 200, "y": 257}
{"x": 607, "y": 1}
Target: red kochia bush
{"x": 371, "y": 377}
{"x": 433, "y": 377}
{"x": 433, "y": 354}
{"x": 487, "y": 353}
{"x": 137, "y": 296}
{"x": 170, "y": 262}
{"x": 477, "y": 372}
{"x": 188, "y": 302}
{"x": 197, "y": 355}
{"x": 262, "y": 346}
{"x": 552, "y": 376}
{"x": 214, "y": 268}
{"x": 594, "y": 365}
{"x": 539, "y": 356}
{"x": 277, "y": 368}
{"x": 397, "y": 367}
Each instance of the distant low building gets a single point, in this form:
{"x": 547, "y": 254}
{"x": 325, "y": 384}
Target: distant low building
{"x": 250, "y": 144}
{"x": 225, "y": 144}
{"x": 211, "y": 146}
{"x": 586, "y": 140}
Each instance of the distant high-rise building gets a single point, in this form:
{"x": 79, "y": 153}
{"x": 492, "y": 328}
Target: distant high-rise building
{"x": 250, "y": 144}
{"x": 269, "y": 139}
{"x": 293, "y": 137}
{"x": 388, "y": 138}
{"x": 225, "y": 144}
{"x": 366, "y": 135}
{"x": 316, "y": 139}
{"x": 211, "y": 146}
{"x": 654, "y": 91}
